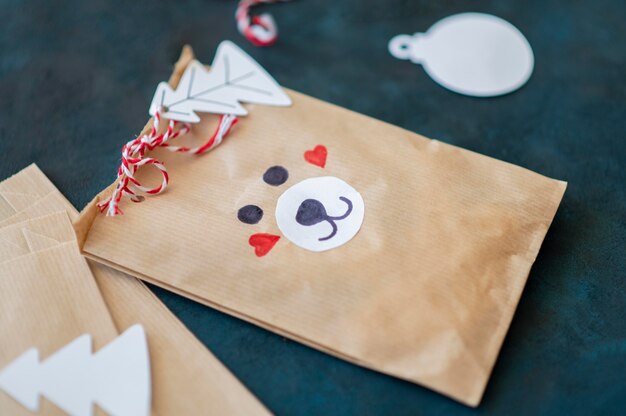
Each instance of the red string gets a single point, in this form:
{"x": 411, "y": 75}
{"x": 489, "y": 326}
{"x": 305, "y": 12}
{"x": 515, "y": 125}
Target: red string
{"x": 134, "y": 157}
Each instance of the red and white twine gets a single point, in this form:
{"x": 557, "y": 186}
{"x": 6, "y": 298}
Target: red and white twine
{"x": 134, "y": 157}
{"x": 259, "y": 30}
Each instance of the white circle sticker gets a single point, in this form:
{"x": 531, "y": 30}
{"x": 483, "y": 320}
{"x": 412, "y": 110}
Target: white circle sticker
{"x": 320, "y": 214}
{"x": 474, "y": 54}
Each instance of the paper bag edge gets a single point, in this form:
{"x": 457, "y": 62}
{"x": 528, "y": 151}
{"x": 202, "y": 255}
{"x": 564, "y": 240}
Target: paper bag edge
{"x": 86, "y": 217}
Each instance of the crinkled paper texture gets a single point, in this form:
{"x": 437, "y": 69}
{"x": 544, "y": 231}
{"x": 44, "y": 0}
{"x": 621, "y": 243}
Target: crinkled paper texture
{"x": 48, "y": 297}
{"x": 425, "y": 291}
{"x": 187, "y": 378}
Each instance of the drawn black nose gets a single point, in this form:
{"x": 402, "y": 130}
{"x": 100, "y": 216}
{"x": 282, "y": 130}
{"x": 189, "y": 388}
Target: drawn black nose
{"x": 310, "y": 212}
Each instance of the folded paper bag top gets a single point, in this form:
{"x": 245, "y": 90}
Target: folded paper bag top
{"x": 358, "y": 238}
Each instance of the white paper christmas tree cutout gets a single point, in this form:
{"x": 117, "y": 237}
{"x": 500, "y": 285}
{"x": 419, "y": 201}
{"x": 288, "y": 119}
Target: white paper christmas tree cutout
{"x": 234, "y": 78}
{"x": 116, "y": 378}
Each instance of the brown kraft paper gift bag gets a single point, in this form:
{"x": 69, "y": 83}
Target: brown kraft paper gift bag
{"x": 425, "y": 290}
{"x": 47, "y": 299}
{"x": 186, "y": 377}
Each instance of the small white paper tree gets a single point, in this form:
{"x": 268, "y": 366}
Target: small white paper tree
{"x": 117, "y": 377}
{"x": 234, "y": 77}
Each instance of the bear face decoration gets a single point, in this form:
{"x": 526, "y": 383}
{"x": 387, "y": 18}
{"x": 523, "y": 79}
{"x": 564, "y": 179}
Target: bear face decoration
{"x": 316, "y": 214}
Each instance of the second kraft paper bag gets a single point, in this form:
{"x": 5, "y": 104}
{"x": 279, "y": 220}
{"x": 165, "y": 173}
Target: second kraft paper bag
{"x": 371, "y": 243}
{"x": 186, "y": 377}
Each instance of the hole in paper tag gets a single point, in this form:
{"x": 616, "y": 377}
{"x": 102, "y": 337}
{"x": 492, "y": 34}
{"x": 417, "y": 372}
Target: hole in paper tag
{"x": 474, "y": 54}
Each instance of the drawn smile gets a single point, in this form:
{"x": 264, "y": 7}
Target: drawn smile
{"x": 312, "y": 201}
{"x": 312, "y": 211}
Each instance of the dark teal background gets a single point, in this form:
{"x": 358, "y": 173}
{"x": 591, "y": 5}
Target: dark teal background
{"x": 76, "y": 79}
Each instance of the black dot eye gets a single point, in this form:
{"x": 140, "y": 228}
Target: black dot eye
{"x": 276, "y": 175}
{"x": 250, "y": 214}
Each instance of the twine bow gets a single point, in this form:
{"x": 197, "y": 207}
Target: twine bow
{"x": 134, "y": 157}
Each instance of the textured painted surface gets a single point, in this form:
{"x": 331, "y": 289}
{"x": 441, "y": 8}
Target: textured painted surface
{"x": 76, "y": 79}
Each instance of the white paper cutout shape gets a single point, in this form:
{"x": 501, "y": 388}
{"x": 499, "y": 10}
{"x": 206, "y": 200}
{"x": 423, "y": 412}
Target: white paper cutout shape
{"x": 234, "y": 77}
{"x": 470, "y": 53}
{"x": 319, "y": 214}
{"x": 117, "y": 377}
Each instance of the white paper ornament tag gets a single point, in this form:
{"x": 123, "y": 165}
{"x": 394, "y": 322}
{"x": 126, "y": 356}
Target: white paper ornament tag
{"x": 234, "y": 77}
{"x": 117, "y": 377}
{"x": 474, "y": 54}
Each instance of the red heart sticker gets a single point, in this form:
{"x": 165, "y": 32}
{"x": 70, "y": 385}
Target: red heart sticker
{"x": 262, "y": 243}
{"x": 317, "y": 156}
